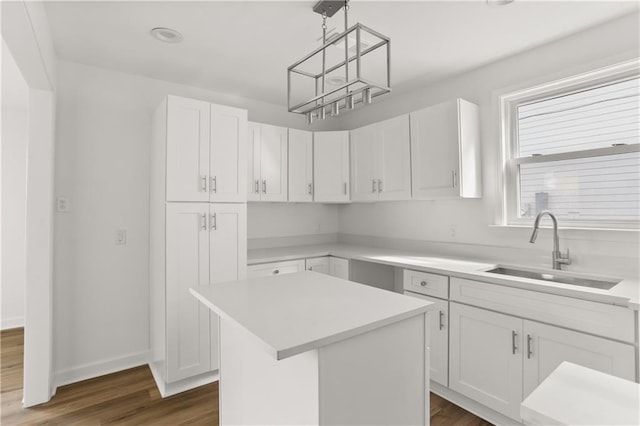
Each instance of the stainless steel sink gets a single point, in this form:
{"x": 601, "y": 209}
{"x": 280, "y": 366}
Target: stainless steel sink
{"x": 556, "y": 278}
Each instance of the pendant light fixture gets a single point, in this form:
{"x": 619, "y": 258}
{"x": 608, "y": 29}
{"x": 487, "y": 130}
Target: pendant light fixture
{"x": 334, "y": 75}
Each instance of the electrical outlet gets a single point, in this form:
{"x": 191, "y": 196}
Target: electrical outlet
{"x": 453, "y": 230}
{"x": 121, "y": 237}
{"x": 62, "y": 204}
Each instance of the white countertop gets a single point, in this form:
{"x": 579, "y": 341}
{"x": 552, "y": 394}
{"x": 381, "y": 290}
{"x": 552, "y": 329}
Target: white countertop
{"x": 575, "y": 395}
{"x": 625, "y": 294}
{"x": 295, "y": 313}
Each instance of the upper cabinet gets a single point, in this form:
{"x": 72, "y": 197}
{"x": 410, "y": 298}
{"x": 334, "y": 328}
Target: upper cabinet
{"x": 381, "y": 161}
{"x": 445, "y": 151}
{"x": 267, "y": 171}
{"x": 300, "y": 166}
{"x": 205, "y": 145}
{"x": 331, "y": 167}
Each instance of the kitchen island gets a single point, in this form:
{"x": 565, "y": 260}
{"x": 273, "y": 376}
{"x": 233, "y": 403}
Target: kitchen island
{"x": 308, "y": 348}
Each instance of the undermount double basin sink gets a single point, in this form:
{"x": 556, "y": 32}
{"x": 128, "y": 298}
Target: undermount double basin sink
{"x": 554, "y": 277}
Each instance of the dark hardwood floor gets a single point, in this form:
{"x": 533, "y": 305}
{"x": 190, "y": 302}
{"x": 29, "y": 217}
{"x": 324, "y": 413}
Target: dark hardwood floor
{"x": 130, "y": 397}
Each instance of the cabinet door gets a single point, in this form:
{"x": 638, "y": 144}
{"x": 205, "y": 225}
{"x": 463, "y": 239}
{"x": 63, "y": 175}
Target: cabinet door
{"x": 546, "y": 347}
{"x": 227, "y": 153}
{"x": 439, "y": 339}
{"x": 187, "y": 149}
{"x": 318, "y": 264}
{"x": 394, "y": 176}
{"x": 275, "y": 268}
{"x": 435, "y": 151}
{"x": 339, "y": 267}
{"x": 188, "y": 337}
{"x": 253, "y": 164}
{"x": 227, "y": 255}
{"x": 331, "y": 167}
{"x": 300, "y": 166}
{"x": 365, "y": 148}
{"x": 485, "y": 358}
{"x": 273, "y": 163}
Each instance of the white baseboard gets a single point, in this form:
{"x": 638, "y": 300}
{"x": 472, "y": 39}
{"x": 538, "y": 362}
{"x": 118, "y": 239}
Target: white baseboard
{"x": 9, "y": 323}
{"x": 472, "y": 406}
{"x": 97, "y": 369}
{"x": 169, "y": 389}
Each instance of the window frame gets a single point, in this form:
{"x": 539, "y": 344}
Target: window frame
{"x": 508, "y": 104}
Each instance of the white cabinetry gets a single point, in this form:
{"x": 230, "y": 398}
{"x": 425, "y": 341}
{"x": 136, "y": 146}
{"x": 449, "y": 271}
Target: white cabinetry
{"x": 485, "y": 359}
{"x": 203, "y": 247}
{"x": 267, "y": 171}
{"x": 546, "y": 347}
{"x": 300, "y": 166}
{"x": 381, "y": 161}
{"x": 499, "y": 359}
{"x": 331, "y": 167}
{"x": 339, "y": 267}
{"x": 318, "y": 264}
{"x": 445, "y": 151}
{"x": 204, "y": 145}
{"x": 275, "y": 268}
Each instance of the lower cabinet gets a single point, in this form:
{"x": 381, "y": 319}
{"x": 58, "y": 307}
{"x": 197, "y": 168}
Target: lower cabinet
{"x": 485, "y": 358}
{"x": 318, "y": 264}
{"x": 439, "y": 339}
{"x": 204, "y": 244}
{"x": 330, "y": 265}
{"x": 339, "y": 267}
{"x": 275, "y": 268}
{"x": 498, "y": 359}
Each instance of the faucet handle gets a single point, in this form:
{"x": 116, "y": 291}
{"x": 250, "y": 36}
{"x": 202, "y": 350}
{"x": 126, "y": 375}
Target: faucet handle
{"x": 565, "y": 260}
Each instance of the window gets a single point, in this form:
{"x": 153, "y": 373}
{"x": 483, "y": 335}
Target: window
{"x": 573, "y": 147}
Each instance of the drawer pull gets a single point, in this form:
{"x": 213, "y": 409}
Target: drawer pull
{"x": 423, "y": 283}
{"x": 276, "y": 272}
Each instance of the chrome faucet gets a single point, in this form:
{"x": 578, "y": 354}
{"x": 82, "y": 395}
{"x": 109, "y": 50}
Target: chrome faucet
{"x": 557, "y": 258}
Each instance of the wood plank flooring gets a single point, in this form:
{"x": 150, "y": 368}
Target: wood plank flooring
{"x": 130, "y": 397}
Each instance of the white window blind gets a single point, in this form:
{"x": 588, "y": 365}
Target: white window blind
{"x": 577, "y": 153}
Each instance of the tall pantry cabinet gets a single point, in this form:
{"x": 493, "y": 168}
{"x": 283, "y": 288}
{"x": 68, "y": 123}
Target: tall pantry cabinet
{"x": 198, "y": 232}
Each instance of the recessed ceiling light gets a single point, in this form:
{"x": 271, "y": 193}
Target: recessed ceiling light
{"x": 167, "y": 35}
{"x": 495, "y": 3}
{"x": 337, "y": 80}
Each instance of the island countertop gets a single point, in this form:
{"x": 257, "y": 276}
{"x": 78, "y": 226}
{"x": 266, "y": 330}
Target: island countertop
{"x": 294, "y": 313}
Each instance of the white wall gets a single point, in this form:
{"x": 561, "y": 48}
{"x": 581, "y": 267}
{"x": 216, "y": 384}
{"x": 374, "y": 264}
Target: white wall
{"x": 430, "y": 221}
{"x": 102, "y": 166}
{"x": 13, "y": 192}
{"x": 14, "y": 204}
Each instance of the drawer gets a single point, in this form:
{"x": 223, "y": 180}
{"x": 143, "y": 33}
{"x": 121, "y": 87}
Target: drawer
{"x": 596, "y": 318}
{"x": 425, "y": 283}
{"x": 275, "y": 268}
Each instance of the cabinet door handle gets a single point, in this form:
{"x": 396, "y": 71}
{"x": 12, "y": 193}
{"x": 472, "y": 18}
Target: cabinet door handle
{"x": 379, "y": 185}
{"x": 203, "y": 183}
{"x": 345, "y": 188}
{"x": 214, "y": 184}
{"x": 310, "y": 189}
{"x": 441, "y": 320}
{"x": 373, "y": 186}
{"x": 203, "y": 221}
{"x": 213, "y": 222}
{"x": 264, "y": 186}
{"x": 514, "y": 347}
{"x": 257, "y": 186}
{"x": 529, "y": 346}
{"x": 276, "y": 272}
{"x": 454, "y": 178}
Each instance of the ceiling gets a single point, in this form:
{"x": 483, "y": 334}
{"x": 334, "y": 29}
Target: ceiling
{"x": 244, "y": 48}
